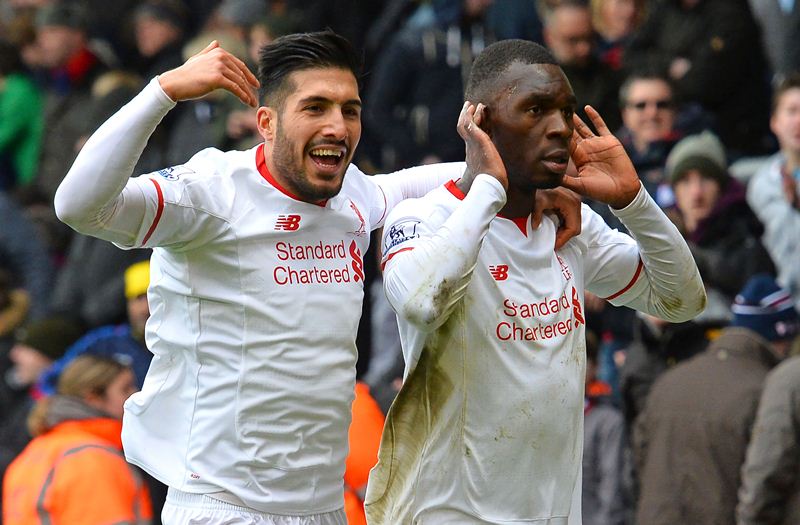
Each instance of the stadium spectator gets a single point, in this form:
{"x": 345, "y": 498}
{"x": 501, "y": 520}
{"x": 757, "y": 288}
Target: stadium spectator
{"x": 774, "y": 192}
{"x": 712, "y": 213}
{"x": 74, "y": 470}
{"x": 569, "y": 35}
{"x": 160, "y": 29}
{"x": 416, "y": 88}
{"x": 24, "y": 256}
{"x": 710, "y": 49}
{"x": 690, "y": 441}
{"x": 614, "y": 22}
{"x": 657, "y": 345}
{"x": 70, "y": 68}
{"x": 606, "y": 457}
{"x": 649, "y": 115}
{"x": 20, "y": 121}
{"x": 364, "y": 438}
{"x": 779, "y": 22}
{"x": 37, "y": 346}
{"x": 770, "y": 492}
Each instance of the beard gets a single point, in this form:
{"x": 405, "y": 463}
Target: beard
{"x": 293, "y": 169}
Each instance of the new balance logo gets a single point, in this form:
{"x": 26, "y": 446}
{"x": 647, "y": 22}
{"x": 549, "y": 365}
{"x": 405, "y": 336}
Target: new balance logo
{"x": 287, "y": 223}
{"x": 499, "y": 272}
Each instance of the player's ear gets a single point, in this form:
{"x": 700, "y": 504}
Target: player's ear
{"x": 267, "y": 121}
{"x": 486, "y": 120}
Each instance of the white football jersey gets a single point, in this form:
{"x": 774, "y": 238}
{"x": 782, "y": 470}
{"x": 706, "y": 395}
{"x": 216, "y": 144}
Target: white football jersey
{"x": 255, "y": 301}
{"x": 488, "y": 425}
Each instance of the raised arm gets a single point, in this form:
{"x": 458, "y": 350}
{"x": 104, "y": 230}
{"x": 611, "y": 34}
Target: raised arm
{"x": 429, "y": 255}
{"x": 667, "y": 283}
{"x": 92, "y": 198}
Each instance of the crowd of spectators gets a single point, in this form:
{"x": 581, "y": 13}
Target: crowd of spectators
{"x": 703, "y": 94}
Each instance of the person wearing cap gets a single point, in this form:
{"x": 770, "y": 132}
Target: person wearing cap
{"x": 37, "y": 346}
{"x": 712, "y": 213}
{"x": 690, "y": 440}
{"x": 70, "y": 67}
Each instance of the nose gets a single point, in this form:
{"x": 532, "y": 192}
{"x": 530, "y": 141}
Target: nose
{"x": 559, "y": 124}
{"x": 335, "y": 126}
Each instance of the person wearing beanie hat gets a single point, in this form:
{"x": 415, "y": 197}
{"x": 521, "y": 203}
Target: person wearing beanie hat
{"x": 694, "y": 431}
{"x": 767, "y": 309}
{"x": 40, "y": 343}
{"x": 712, "y": 213}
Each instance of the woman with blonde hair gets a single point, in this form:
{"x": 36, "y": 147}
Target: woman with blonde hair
{"x": 74, "y": 472}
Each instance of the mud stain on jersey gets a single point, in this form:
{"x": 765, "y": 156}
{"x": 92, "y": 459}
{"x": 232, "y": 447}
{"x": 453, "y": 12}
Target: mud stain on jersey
{"x": 413, "y": 419}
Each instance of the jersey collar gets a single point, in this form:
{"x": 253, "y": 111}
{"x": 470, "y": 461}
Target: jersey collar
{"x": 261, "y": 166}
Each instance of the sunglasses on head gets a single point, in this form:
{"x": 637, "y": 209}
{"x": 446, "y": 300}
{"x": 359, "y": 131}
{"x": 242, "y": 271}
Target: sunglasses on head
{"x": 659, "y": 104}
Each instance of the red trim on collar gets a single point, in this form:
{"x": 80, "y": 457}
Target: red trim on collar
{"x": 261, "y": 166}
{"x": 520, "y": 222}
{"x": 452, "y": 188}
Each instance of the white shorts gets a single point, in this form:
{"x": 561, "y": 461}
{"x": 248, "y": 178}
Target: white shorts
{"x": 183, "y": 508}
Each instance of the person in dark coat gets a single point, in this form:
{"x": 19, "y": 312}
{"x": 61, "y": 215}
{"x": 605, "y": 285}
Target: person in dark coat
{"x": 418, "y": 84}
{"x": 690, "y": 441}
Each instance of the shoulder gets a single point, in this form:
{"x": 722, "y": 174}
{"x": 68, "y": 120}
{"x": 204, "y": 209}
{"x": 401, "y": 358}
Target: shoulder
{"x": 787, "y": 374}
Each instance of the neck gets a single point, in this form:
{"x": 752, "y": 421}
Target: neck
{"x": 792, "y": 160}
{"x": 518, "y": 204}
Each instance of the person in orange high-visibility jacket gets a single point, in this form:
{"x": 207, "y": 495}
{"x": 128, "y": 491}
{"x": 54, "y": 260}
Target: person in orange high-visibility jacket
{"x": 74, "y": 472}
{"x": 365, "y": 438}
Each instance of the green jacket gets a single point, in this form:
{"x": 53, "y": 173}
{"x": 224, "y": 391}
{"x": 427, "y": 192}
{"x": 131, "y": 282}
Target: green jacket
{"x": 21, "y": 124}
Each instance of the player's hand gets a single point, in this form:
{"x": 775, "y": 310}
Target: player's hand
{"x": 482, "y": 156}
{"x": 605, "y": 172}
{"x": 564, "y": 204}
{"x": 210, "y": 69}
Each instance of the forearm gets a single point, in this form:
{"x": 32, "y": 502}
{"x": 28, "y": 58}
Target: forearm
{"x": 670, "y": 287}
{"x": 423, "y": 284}
{"x": 91, "y": 191}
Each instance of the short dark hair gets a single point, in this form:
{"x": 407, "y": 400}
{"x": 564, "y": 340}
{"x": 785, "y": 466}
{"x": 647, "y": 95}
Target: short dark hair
{"x": 496, "y": 58}
{"x": 300, "y": 51}
{"x": 642, "y": 74}
{"x": 789, "y": 81}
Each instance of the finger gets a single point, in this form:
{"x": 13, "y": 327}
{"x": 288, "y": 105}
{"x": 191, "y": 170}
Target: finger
{"x": 570, "y": 226}
{"x": 536, "y": 217}
{"x": 575, "y": 184}
{"x": 233, "y": 72}
{"x": 242, "y": 67}
{"x": 581, "y": 128}
{"x": 465, "y": 120}
{"x": 233, "y": 82}
{"x": 597, "y": 121}
{"x": 478, "y": 118}
{"x": 210, "y": 47}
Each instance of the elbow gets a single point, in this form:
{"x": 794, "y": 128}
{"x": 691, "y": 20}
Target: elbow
{"x": 685, "y": 306}
{"x": 69, "y": 212}
{"x": 423, "y": 314}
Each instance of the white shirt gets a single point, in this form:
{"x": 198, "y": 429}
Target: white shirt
{"x": 255, "y": 299}
{"x": 488, "y": 425}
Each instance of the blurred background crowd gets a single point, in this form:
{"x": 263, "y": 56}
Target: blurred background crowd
{"x": 697, "y": 422}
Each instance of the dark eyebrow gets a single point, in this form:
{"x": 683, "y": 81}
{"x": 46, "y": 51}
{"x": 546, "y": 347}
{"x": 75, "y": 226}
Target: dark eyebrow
{"x": 323, "y": 100}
